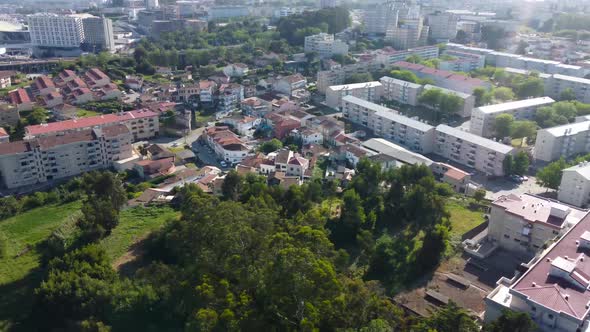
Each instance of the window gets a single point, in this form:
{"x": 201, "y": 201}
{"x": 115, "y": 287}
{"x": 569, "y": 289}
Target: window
{"x": 533, "y": 308}
{"x": 550, "y": 316}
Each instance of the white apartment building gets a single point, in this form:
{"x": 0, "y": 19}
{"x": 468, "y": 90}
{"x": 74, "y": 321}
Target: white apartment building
{"x": 465, "y": 62}
{"x": 98, "y": 34}
{"x": 556, "y": 84}
{"x": 43, "y": 159}
{"x": 555, "y": 289}
{"x": 52, "y": 30}
{"x": 385, "y": 122}
{"x": 575, "y": 185}
{"x": 562, "y": 141}
{"x": 443, "y": 26}
{"x": 400, "y": 91}
{"x": 379, "y": 18}
{"x": 411, "y": 33}
{"x": 465, "y": 148}
{"x": 483, "y": 118}
{"x": 524, "y": 223}
{"x": 468, "y": 99}
{"x": 325, "y": 45}
{"x": 230, "y": 96}
{"x": 369, "y": 91}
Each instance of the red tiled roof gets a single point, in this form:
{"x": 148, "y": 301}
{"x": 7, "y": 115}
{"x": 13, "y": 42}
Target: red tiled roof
{"x": 15, "y": 147}
{"x": 96, "y": 74}
{"x": 456, "y": 174}
{"x": 19, "y": 96}
{"x": 75, "y": 137}
{"x": 43, "y": 82}
{"x": 92, "y": 121}
{"x": 3, "y": 132}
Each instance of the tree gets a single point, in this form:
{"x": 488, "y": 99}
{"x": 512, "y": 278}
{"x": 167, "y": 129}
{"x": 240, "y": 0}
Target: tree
{"x": 37, "y": 116}
{"x": 404, "y": 75}
{"x": 352, "y": 217}
{"x": 449, "y": 318}
{"x": 461, "y": 37}
{"x": 511, "y": 321}
{"x": 231, "y": 186}
{"x": 520, "y": 129}
{"x": 567, "y": 94}
{"x": 503, "y": 94}
{"x": 550, "y": 175}
{"x": 271, "y": 146}
{"x": 414, "y": 59}
{"x": 479, "y": 93}
{"x": 479, "y": 195}
{"x": 531, "y": 87}
{"x": 431, "y": 98}
{"x": 521, "y": 163}
{"x": 451, "y": 104}
{"x": 359, "y": 78}
{"x": 521, "y": 48}
{"x": 493, "y": 35}
{"x": 507, "y": 165}
{"x": 503, "y": 125}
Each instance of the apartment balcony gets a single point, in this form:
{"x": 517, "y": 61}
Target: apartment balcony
{"x": 455, "y": 156}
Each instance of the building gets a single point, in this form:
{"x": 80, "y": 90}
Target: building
{"x": 575, "y": 185}
{"x": 236, "y": 70}
{"x": 207, "y": 91}
{"x": 562, "y": 141}
{"x": 467, "y": 99}
{"x": 98, "y": 34}
{"x": 6, "y": 78}
{"x": 474, "y": 151}
{"x": 142, "y": 124}
{"x": 378, "y": 19}
{"x": 42, "y": 86}
{"x": 224, "y": 12}
{"x": 443, "y": 78}
{"x": 290, "y": 83}
{"x": 255, "y": 106}
{"x": 523, "y": 224}
{"x": 20, "y": 98}
{"x": 325, "y": 45}
{"x": 554, "y": 289}
{"x": 400, "y": 91}
{"x": 384, "y": 122}
{"x": 483, "y": 118}
{"x": 230, "y": 96}
{"x": 462, "y": 61}
{"x": 227, "y": 145}
{"x": 443, "y": 26}
{"x": 52, "y": 30}
{"x": 328, "y": 3}
{"x": 42, "y": 159}
{"x": 369, "y": 91}
{"x": 408, "y": 33}
{"x": 9, "y": 115}
{"x": 95, "y": 78}
{"x": 556, "y": 84}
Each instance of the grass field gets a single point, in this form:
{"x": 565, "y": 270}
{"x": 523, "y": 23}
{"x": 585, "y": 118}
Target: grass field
{"x": 463, "y": 219}
{"x": 86, "y": 113}
{"x": 20, "y": 269}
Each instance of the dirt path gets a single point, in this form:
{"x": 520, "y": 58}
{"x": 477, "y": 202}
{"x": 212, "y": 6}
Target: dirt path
{"x": 132, "y": 258}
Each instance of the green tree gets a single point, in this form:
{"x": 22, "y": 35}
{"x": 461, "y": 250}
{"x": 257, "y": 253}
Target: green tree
{"x": 479, "y": 93}
{"x": 451, "y": 104}
{"x": 503, "y": 94}
{"x": 359, "y": 78}
{"x": 232, "y": 185}
{"x": 550, "y": 175}
{"x": 567, "y": 94}
{"x": 271, "y": 146}
{"x": 507, "y": 165}
{"x": 404, "y": 75}
{"x": 531, "y": 87}
{"x": 503, "y": 125}
{"x": 511, "y": 321}
{"x": 521, "y": 163}
{"x": 449, "y": 318}
{"x": 520, "y": 129}
{"x": 37, "y": 116}
{"x": 431, "y": 97}
{"x": 479, "y": 195}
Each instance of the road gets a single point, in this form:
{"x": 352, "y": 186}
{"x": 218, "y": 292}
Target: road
{"x": 174, "y": 142}
{"x": 499, "y": 187}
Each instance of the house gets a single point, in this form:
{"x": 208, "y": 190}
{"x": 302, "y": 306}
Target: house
{"x": 42, "y": 86}
{"x": 81, "y": 96}
{"x": 230, "y": 96}
{"x": 308, "y": 135}
{"x": 207, "y": 91}
{"x": 236, "y": 70}
{"x": 289, "y": 84}
{"x": 134, "y": 82}
{"x": 52, "y": 99}
{"x": 154, "y": 168}
{"x": 255, "y": 106}
{"x": 6, "y": 78}
{"x": 242, "y": 124}
{"x": 20, "y": 98}
{"x": 4, "y": 136}
{"x": 9, "y": 115}
{"x": 95, "y": 78}
{"x": 297, "y": 166}
{"x": 227, "y": 145}
{"x": 64, "y": 77}
{"x": 108, "y": 92}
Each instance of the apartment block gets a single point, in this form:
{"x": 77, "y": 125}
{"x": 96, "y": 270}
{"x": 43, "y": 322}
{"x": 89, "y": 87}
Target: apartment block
{"x": 369, "y": 91}
{"x": 562, "y": 141}
{"x": 468, "y": 99}
{"x": 227, "y": 145}
{"x": 556, "y": 84}
{"x": 462, "y": 61}
{"x": 524, "y": 223}
{"x": 47, "y": 158}
{"x": 98, "y": 34}
{"x": 325, "y": 45}
{"x": 143, "y": 124}
{"x": 474, "y": 151}
{"x": 52, "y": 30}
{"x": 415, "y": 135}
{"x": 555, "y": 289}
{"x": 483, "y": 118}
{"x": 443, "y": 78}
{"x": 400, "y": 91}
{"x": 443, "y": 26}
{"x": 575, "y": 185}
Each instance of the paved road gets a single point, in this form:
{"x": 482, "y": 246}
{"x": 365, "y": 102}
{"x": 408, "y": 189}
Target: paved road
{"x": 173, "y": 141}
{"x": 498, "y": 187}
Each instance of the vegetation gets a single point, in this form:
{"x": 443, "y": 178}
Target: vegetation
{"x": 294, "y": 28}
{"x": 271, "y": 146}
{"x": 443, "y": 103}
{"x": 550, "y": 175}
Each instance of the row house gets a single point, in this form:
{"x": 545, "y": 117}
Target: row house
{"x": 95, "y": 78}
{"x": 21, "y": 99}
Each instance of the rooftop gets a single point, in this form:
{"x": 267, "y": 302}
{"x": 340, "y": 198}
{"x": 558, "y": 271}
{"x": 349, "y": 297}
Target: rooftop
{"x": 395, "y": 80}
{"x": 583, "y": 169}
{"x": 382, "y": 146}
{"x": 355, "y": 86}
{"x": 448, "y": 91}
{"x": 514, "y": 105}
{"x": 568, "y": 129}
{"x": 478, "y": 140}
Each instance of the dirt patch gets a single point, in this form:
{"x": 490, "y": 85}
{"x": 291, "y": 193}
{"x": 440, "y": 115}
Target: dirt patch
{"x": 132, "y": 259}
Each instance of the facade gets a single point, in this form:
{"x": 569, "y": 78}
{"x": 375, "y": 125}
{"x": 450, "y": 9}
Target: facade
{"x": 230, "y": 96}
{"x": 206, "y": 91}
{"x": 290, "y": 83}
{"x": 43, "y": 159}
{"x": 141, "y": 123}
{"x": 98, "y": 34}
{"x": 369, "y": 91}
{"x": 226, "y": 144}
{"x": 443, "y": 26}
{"x": 575, "y": 185}
{"x": 554, "y": 290}
{"x": 20, "y": 99}
{"x": 483, "y": 118}
{"x": 224, "y": 12}
{"x": 413, "y": 134}
{"x": 468, "y": 99}
{"x": 325, "y": 45}
{"x": 42, "y": 86}
{"x": 379, "y": 18}
{"x": 408, "y": 33}
{"x": 236, "y": 70}
{"x": 255, "y": 106}
{"x": 556, "y": 84}
{"x": 465, "y": 62}
{"x": 52, "y": 30}
{"x": 443, "y": 78}
{"x": 562, "y": 141}
{"x": 474, "y": 151}
{"x": 400, "y": 91}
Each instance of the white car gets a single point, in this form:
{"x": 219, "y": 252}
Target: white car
{"x": 223, "y": 164}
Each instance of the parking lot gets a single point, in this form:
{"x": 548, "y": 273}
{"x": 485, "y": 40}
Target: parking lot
{"x": 502, "y": 186}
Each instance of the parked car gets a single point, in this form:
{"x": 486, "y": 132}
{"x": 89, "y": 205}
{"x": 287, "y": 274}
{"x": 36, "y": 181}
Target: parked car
{"x": 515, "y": 178}
{"x": 223, "y": 164}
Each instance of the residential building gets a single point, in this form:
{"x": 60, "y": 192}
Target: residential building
{"x": 244, "y": 125}
{"x": 236, "y": 70}
{"x": 575, "y": 185}
{"x": 9, "y": 115}
{"x": 230, "y": 96}
{"x": 369, "y": 91}
{"x": 149, "y": 168}
{"x": 20, "y": 98}
{"x": 462, "y": 61}
{"x": 443, "y": 26}
{"x": 98, "y": 34}
{"x": 207, "y": 90}
{"x": 384, "y": 122}
{"x": 225, "y": 12}
{"x": 255, "y": 106}
{"x": 142, "y": 124}
{"x": 554, "y": 289}
{"x": 562, "y": 141}
{"x": 65, "y": 76}
{"x": 443, "y": 78}
{"x": 483, "y": 118}
{"x": 468, "y": 149}
{"x": 290, "y": 83}
{"x": 52, "y": 99}
{"x": 42, "y": 86}
{"x": 227, "y": 145}
{"x": 80, "y": 96}
{"x": 467, "y": 99}
{"x": 325, "y": 45}
{"x": 307, "y": 135}
{"x": 408, "y": 33}
{"x": 6, "y": 78}
{"x": 42, "y": 159}
{"x": 523, "y": 224}
{"x": 53, "y": 30}
{"x": 400, "y": 91}
{"x": 556, "y": 84}
{"x": 378, "y": 19}
{"x": 95, "y": 78}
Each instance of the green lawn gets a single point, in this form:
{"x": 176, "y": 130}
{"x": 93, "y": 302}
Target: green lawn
{"x": 463, "y": 219}
{"x": 86, "y": 113}
{"x": 135, "y": 223}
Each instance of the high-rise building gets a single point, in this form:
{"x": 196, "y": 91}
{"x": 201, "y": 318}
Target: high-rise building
{"x": 328, "y": 3}
{"x": 325, "y": 45}
{"x": 443, "y": 26}
{"x": 151, "y": 4}
{"x": 98, "y": 34}
{"x": 379, "y": 18}
{"x": 52, "y": 30}
{"x": 409, "y": 31}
